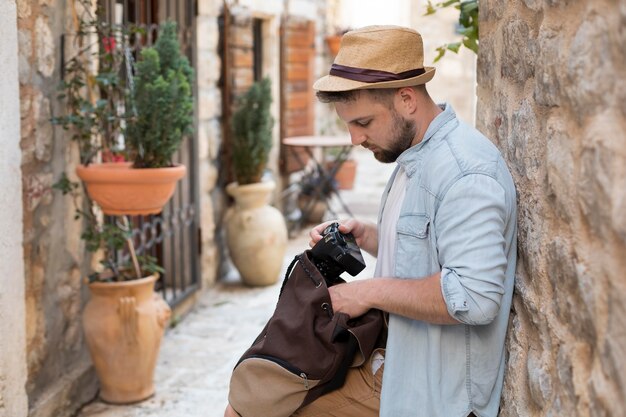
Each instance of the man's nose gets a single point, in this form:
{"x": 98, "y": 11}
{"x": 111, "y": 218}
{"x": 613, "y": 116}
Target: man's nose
{"x": 356, "y": 136}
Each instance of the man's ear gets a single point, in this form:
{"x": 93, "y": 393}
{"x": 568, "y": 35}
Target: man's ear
{"x": 407, "y": 100}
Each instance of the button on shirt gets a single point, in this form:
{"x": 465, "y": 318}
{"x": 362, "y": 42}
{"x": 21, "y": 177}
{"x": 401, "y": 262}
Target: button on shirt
{"x": 457, "y": 217}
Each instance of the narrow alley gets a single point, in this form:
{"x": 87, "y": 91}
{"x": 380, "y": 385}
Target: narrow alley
{"x": 198, "y": 355}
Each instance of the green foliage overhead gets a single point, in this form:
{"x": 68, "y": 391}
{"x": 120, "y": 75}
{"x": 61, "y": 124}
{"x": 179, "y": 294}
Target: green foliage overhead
{"x": 104, "y": 103}
{"x": 252, "y": 133}
{"x": 468, "y": 20}
{"x": 162, "y": 102}
{"x": 94, "y": 84}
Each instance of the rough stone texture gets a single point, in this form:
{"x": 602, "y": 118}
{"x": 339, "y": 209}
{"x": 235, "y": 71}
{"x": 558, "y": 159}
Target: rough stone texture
{"x": 209, "y": 133}
{"x": 60, "y": 376}
{"x": 551, "y": 96}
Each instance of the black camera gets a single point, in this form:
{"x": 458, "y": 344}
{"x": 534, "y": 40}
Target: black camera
{"x": 336, "y": 253}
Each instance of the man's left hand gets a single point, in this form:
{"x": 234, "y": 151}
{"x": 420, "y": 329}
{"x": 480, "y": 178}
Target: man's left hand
{"x": 349, "y": 298}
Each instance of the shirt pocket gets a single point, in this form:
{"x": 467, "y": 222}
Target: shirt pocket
{"x": 413, "y": 255}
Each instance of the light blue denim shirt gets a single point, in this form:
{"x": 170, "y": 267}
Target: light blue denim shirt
{"x": 458, "y": 217}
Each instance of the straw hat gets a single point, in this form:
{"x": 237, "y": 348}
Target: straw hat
{"x": 377, "y": 57}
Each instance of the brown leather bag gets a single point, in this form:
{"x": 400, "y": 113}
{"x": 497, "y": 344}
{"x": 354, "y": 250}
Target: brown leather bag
{"x": 305, "y": 350}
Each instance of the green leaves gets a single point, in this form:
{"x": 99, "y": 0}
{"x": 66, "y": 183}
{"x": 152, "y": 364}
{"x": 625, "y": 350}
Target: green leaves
{"x": 252, "y": 133}
{"x": 100, "y": 108}
{"x": 107, "y": 235}
{"x": 468, "y": 22}
{"x": 65, "y": 185}
{"x": 94, "y": 87}
{"x": 161, "y": 108}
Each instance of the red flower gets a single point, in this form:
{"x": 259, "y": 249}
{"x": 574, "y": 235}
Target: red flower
{"x": 108, "y": 156}
{"x": 109, "y": 44}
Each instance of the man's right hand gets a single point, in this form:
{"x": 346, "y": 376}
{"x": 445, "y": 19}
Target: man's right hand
{"x": 365, "y": 234}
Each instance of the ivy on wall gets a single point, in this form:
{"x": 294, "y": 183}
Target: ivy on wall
{"x": 468, "y": 24}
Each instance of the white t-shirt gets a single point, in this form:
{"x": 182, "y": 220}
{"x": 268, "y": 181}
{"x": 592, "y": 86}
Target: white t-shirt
{"x": 387, "y": 227}
{"x": 387, "y": 240}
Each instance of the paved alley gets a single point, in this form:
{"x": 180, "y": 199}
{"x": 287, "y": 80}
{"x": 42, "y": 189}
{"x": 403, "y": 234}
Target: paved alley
{"x": 198, "y": 355}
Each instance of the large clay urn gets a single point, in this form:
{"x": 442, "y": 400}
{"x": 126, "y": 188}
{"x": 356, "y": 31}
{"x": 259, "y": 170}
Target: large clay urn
{"x": 256, "y": 233}
{"x": 124, "y": 324}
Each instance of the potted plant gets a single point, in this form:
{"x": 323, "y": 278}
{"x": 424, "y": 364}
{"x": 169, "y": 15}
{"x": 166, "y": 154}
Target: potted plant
{"x": 256, "y": 232}
{"x": 124, "y": 319}
{"x": 346, "y": 172}
{"x": 334, "y": 41}
{"x": 162, "y": 86}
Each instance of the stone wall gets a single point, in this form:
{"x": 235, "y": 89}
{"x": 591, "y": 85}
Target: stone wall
{"x": 208, "y": 65}
{"x": 57, "y": 359}
{"x": 551, "y": 95}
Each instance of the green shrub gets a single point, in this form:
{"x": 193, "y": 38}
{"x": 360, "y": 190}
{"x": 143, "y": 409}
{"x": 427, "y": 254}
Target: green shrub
{"x": 162, "y": 102}
{"x": 252, "y": 133}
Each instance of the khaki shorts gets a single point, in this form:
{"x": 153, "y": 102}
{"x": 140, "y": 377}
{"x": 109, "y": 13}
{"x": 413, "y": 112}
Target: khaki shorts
{"x": 359, "y": 396}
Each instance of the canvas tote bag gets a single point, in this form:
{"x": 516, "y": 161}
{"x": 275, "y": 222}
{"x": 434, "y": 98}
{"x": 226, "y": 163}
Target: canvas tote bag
{"x": 305, "y": 349}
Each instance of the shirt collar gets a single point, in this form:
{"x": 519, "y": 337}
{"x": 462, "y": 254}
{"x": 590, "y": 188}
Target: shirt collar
{"x": 411, "y": 156}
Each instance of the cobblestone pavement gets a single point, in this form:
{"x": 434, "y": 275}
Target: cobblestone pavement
{"x": 198, "y": 355}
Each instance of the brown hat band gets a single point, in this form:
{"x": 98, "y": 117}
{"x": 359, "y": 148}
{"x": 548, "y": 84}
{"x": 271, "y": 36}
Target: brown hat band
{"x": 372, "y": 76}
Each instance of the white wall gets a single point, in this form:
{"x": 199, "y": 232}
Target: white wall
{"x": 359, "y": 13}
{"x": 13, "y": 401}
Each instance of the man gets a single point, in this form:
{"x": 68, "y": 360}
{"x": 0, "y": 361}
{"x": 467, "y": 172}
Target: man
{"x": 445, "y": 240}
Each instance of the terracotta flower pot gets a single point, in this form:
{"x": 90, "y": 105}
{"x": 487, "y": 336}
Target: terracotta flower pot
{"x": 346, "y": 174}
{"x": 333, "y": 42}
{"x": 256, "y": 234}
{"x": 124, "y": 323}
{"x": 120, "y": 189}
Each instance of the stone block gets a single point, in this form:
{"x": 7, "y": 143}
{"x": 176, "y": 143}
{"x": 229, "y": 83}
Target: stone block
{"x": 492, "y": 10}
{"x": 207, "y": 33}
{"x": 539, "y": 377}
{"x": 548, "y": 68}
{"x": 208, "y": 69}
{"x": 486, "y": 65}
{"x": 567, "y": 302}
{"x": 25, "y": 55}
{"x": 561, "y": 149}
{"x": 614, "y": 349}
{"x": 44, "y": 133}
{"x": 519, "y": 51}
{"x": 209, "y": 8}
{"x": 209, "y": 103}
{"x": 565, "y": 376}
{"x": 215, "y": 139}
{"x": 242, "y": 57}
{"x": 588, "y": 64}
{"x": 522, "y": 150}
{"x": 242, "y": 79}
{"x": 241, "y": 16}
{"x": 24, "y": 9}
{"x": 46, "y": 52}
{"x": 534, "y": 5}
{"x": 203, "y": 141}
{"x": 38, "y": 190}
{"x": 595, "y": 188}
{"x": 241, "y": 37}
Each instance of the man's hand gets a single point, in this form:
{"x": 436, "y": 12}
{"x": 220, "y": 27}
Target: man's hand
{"x": 348, "y": 298}
{"x": 417, "y": 299}
{"x": 365, "y": 234}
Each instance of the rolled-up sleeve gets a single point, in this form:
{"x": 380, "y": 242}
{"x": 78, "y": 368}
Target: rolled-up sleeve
{"x": 470, "y": 226}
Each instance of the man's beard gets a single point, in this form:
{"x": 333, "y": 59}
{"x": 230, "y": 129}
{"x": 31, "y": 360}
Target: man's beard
{"x": 403, "y": 134}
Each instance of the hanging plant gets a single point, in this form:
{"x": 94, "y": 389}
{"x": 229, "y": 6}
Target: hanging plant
{"x": 468, "y": 25}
